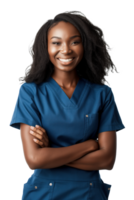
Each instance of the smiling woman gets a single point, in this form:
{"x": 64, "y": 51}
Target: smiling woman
{"x": 66, "y": 55}
{"x": 64, "y": 93}
{"x": 95, "y": 62}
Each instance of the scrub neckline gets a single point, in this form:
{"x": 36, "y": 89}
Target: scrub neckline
{"x": 63, "y": 90}
{"x": 62, "y": 95}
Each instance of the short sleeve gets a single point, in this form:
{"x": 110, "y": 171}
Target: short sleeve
{"x": 25, "y": 110}
{"x": 110, "y": 119}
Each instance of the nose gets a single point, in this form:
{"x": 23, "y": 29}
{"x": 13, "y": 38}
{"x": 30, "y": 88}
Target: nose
{"x": 65, "y": 49}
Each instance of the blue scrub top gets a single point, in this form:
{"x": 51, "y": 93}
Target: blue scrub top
{"x": 90, "y": 111}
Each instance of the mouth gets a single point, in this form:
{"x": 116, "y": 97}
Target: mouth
{"x": 66, "y": 61}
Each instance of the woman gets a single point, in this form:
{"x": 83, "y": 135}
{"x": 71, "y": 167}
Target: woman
{"x": 65, "y": 95}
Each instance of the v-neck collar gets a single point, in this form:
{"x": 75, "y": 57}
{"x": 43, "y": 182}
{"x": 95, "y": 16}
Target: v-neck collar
{"x": 61, "y": 95}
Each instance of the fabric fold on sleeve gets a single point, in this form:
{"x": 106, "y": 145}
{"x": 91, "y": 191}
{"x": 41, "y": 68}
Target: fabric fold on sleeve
{"x": 110, "y": 119}
{"x": 25, "y": 110}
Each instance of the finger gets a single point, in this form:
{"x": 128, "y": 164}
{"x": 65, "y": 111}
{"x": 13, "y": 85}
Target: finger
{"x": 38, "y": 142}
{"x": 42, "y": 144}
{"x": 36, "y": 134}
{"x": 43, "y": 137}
{"x": 43, "y": 134}
{"x": 39, "y": 131}
{"x": 42, "y": 129}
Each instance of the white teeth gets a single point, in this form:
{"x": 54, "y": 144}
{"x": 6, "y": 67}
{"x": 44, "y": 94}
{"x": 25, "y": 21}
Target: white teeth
{"x": 66, "y": 60}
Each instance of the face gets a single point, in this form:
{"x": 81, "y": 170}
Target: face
{"x": 64, "y": 42}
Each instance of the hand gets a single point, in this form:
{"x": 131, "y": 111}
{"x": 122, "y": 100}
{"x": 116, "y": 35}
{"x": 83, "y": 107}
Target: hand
{"x": 41, "y": 134}
{"x": 91, "y": 144}
{"x": 97, "y": 147}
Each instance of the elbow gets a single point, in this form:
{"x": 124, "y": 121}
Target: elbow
{"x": 108, "y": 161}
{"x": 111, "y": 159}
{"x": 31, "y": 163}
{"x": 31, "y": 166}
{"x": 36, "y": 161}
{"x": 110, "y": 164}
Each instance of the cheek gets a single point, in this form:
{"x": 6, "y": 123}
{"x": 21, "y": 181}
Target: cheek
{"x": 52, "y": 52}
{"x": 80, "y": 51}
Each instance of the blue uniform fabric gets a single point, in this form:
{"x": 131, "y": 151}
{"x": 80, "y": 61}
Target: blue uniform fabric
{"x": 91, "y": 110}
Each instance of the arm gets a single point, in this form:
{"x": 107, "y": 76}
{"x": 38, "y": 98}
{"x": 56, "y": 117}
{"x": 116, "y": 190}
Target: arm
{"x": 56, "y": 157}
{"x": 93, "y": 161}
{"x": 47, "y": 157}
{"x": 103, "y": 158}
{"x": 42, "y": 139}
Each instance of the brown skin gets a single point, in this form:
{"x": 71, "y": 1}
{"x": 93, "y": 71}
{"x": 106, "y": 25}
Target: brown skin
{"x": 41, "y": 139}
{"x": 49, "y": 157}
{"x": 65, "y": 75}
{"x": 107, "y": 142}
{"x": 88, "y": 155}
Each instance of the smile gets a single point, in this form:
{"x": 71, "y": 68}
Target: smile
{"x": 65, "y": 61}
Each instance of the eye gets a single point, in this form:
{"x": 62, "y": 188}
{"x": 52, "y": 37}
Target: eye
{"x": 59, "y": 42}
{"x": 55, "y": 42}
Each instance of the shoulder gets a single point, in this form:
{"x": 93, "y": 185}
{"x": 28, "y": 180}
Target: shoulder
{"x": 29, "y": 88}
{"x": 103, "y": 93}
{"x": 98, "y": 89}
{"x": 33, "y": 89}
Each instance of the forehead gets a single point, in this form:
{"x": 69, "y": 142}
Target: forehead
{"x": 63, "y": 29}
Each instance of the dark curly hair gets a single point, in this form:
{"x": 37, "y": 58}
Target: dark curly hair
{"x": 96, "y": 60}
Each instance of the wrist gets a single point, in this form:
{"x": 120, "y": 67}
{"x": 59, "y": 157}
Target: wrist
{"x": 96, "y": 145}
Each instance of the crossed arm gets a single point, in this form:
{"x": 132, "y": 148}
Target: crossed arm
{"x": 101, "y": 158}
{"x": 96, "y": 160}
{"x": 78, "y": 156}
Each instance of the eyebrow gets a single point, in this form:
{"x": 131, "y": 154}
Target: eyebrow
{"x": 70, "y": 37}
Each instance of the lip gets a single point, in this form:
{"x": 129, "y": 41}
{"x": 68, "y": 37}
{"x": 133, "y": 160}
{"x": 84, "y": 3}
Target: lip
{"x": 66, "y": 58}
{"x": 65, "y": 63}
